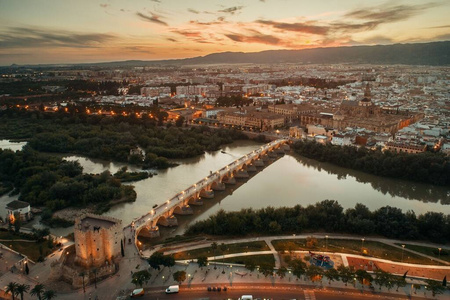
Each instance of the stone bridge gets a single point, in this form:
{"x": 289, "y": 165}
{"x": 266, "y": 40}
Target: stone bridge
{"x": 180, "y": 204}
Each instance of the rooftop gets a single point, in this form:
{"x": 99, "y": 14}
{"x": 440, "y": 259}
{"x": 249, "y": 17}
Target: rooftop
{"x": 89, "y": 223}
{"x": 16, "y": 204}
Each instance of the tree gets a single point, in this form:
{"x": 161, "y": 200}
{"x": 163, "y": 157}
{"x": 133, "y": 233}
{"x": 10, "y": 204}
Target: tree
{"x": 282, "y": 272}
{"x": 155, "y": 260}
{"x": 332, "y": 275}
{"x": 314, "y": 272}
{"x": 399, "y": 281}
{"x": 435, "y": 287}
{"x": 383, "y": 278}
{"x": 180, "y": 121}
{"x": 362, "y": 276}
{"x": 17, "y": 222}
{"x": 298, "y": 267}
{"x": 214, "y": 248}
{"x": 37, "y": 291}
{"x": 12, "y": 288}
{"x": 21, "y": 289}
{"x": 141, "y": 277}
{"x": 49, "y": 295}
{"x": 346, "y": 274}
{"x": 266, "y": 269}
{"x": 202, "y": 261}
{"x": 311, "y": 242}
{"x": 168, "y": 261}
{"x": 50, "y": 242}
{"x": 250, "y": 265}
{"x": 179, "y": 276}
{"x": 223, "y": 248}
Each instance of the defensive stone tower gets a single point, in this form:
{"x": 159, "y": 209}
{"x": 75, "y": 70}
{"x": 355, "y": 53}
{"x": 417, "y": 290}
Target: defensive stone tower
{"x": 97, "y": 240}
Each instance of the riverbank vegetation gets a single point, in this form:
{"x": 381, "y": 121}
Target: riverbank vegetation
{"x": 329, "y": 216}
{"x": 51, "y": 182}
{"x": 127, "y": 139}
{"x": 428, "y": 167}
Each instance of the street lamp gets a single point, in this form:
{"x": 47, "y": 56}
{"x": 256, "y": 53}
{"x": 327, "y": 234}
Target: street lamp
{"x": 362, "y": 244}
{"x": 439, "y": 252}
{"x": 403, "y": 249}
{"x": 326, "y": 243}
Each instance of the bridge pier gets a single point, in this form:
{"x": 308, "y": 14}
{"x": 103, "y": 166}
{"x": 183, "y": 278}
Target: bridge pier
{"x": 231, "y": 180}
{"x": 208, "y": 194}
{"x": 150, "y": 232}
{"x": 169, "y": 222}
{"x": 265, "y": 158}
{"x": 259, "y": 163}
{"x": 251, "y": 168}
{"x": 279, "y": 151}
{"x": 219, "y": 186}
{"x": 183, "y": 210}
{"x": 196, "y": 201}
{"x": 286, "y": 147}
{"x": 241, "y": 174}
{"x": 272, "y": 154}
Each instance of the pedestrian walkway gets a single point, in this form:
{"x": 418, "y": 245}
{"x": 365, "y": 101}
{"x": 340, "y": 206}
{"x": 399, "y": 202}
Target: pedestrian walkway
{"x": 274, "y": 252}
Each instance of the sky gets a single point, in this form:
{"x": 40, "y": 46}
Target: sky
{"x": 65, "y": 31}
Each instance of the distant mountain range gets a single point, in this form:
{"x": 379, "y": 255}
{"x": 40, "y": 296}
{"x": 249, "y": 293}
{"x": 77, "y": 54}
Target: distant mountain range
{"x": 436, "y": 53}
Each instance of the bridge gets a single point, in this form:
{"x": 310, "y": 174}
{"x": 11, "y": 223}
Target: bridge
{"x": 180, "y": 204}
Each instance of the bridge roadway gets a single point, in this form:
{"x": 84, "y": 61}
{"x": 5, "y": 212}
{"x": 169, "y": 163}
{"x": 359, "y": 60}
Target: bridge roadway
{"x": 163, "y": 214}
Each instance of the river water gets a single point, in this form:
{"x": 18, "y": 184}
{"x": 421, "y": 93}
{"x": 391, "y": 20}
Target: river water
{"x": 290, "y": 180}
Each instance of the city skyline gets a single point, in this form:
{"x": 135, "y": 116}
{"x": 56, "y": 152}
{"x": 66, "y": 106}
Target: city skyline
{"x": 34, "y": 32}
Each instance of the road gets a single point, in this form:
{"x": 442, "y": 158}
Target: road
{"x": 306, "y": 294}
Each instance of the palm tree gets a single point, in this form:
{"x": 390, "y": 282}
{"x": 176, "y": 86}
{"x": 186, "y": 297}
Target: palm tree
{"x": 82, "y": 274}
{"x": 94, "y": 270}
{"x": 37, "y": 291}
{"x": 22, "y": 288}
{"x": 223, "y": 247}
{"x": 12, "y": 288}
{"x": 214, "y": 247}
{"x": 49, "y": 295}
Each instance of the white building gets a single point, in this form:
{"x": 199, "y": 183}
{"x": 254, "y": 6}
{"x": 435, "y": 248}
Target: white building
{"x": 18, "y": 208}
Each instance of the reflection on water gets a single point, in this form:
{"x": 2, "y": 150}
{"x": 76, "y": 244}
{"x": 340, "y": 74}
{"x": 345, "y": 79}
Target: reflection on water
{"x": 387, "y": 186}
{"x": 288, "y": 181}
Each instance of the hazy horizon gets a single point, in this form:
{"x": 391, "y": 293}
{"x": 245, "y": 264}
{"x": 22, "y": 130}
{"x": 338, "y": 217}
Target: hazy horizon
{"x": 60, "y": 32}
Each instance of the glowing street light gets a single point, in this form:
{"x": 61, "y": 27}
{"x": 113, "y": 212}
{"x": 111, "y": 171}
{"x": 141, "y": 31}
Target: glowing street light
{"x": 439, "y": 252}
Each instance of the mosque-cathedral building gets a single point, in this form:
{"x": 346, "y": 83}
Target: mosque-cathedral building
{"x": 364, "y": 114}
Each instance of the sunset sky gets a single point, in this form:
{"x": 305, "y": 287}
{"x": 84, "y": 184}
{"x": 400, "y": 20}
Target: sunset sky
{"x": 59, "y": 31}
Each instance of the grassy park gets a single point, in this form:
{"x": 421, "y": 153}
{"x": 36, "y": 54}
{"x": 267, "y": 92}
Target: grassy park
{"x": 366, "y": 248}
{"x": 256, "y": 260}
{"x": 32, "y": 249}
{"x": 230, "y": 248}
{"x": 430, "y": 251}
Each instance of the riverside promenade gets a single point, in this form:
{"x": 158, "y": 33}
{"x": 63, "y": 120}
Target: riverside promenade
{"x": 233, "y": 276}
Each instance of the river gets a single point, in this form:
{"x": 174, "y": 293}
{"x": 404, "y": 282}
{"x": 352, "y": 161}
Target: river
{"x": 290, "y": 180}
